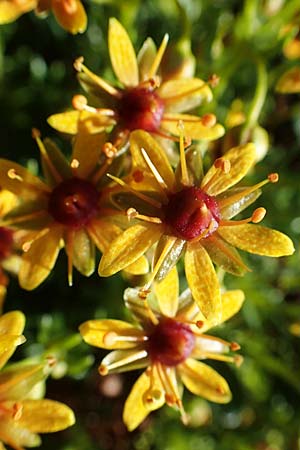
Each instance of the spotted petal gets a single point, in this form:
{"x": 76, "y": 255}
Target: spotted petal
{"x": 141, "y": 140}
{"x": 258, "y": 240}
{"x": 128, "y": 247}
{"x": 104, "y": 334}
{"x": 167, "y": 292}
{"x": 193, "y": 127}
{"x": 45, "y": 416}
{"x": 241, "y": 159}
{"x": 204, "y": 381}
{"x": 122, "y": 54}
{"x": 72, "y": 19}
{"x": 136, "y": 407}
{"x": 203, "y": 281}
{"x": 184, "y": 94}
{"x": 40, "y": 259}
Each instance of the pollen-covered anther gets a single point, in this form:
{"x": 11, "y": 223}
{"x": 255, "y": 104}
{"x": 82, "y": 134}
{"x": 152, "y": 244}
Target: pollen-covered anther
{"x": 199, "y": 323}
{"x": 78, "y": 63}
{"x": 143, "y": 293}
{"x": 273, "y": 177}
{"x": 17, "y": 410}
{"x": 209, "y": 120}
{"x": 223, "y": 164}
{"x": 110, "y": 338}
{"x": 109, "y": 150}
{"x": 214, "y": 80}
{"x": 238, "y": 360}
{"x": 103, "y": 370}
{"x": 234, "y": 346}
{"x": 171, "y": 399}
{"x": 79, "y": 102}
{"x": 131, "y": 213}
{"x": 258, "y": 215}
{"x": 26, "y": 246}
{"x": 13, "y": 175}
{"x": 74, "y": 163}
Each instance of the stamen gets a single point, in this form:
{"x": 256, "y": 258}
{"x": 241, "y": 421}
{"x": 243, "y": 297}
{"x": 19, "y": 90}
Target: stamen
{"x": 140, "y": 195}
{"x": 234, "y": 346}
{"x": 272, "y": 178}
{"x": 167, "y": 248}
{"x": 111, "y": 338}
{"x": 154, "y": 171}
{"x": 109, "y": 150}
{"x": 238, "y": 360}
{"x": 166, "y": 135}
{"x": 13, "y": 175}
{"x": 104, "y": 370}
{"x": 17, "y": 410}
{"x": 214, "y": 80}
{"x": 220, "y": 164}
{"x": 257, "y": 216}
{"x": 79, "y": 102}
{"x": 184, "y": 171}
{"x": 143, "y": 294}
{"x": 69, "y": 243}
{"x": 36, "y": 135}
{"x": 171, "y": 389}
{"x": 19, "y": 219}
{"x": 209, "y": 120}
{"x": 80, "y": 67}
{"x": 158, "y": 56}
{"x": 132, "y": 213}
{"x": 26, "y": 246}
{"x": 171, "y": 98}
{"x": 226, "y": 250}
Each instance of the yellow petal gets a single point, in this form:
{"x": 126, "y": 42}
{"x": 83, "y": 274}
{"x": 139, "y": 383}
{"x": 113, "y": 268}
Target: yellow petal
{"x": 67, "y": 122}
{"x": 167, "y": 292}
{"x": 56, "y": 159}
{"x": 204, "y": 381}
{"x": 45, "y": 416}
{"x": 14, "y": 435}
{"x": 136, "y": 408}
{"x": 193, "y": 127}
{"x": 142, "y": 140}
{"x": 128, "y": 247}
{"x": 241, "y": 159}
{"x": 40, "y": 259}
{"x": 103, "y": 232}
{"x": 184, "y": 94}
{"x": 258, "y": 240}
{"x": 125, "y": 360}
{"x": 87, "y": 149}
{"x": 70, "y": 15}
{"x": 8, "y": 201}
{"x": 289, "y": 82}
{"x": 10, "y": 11}
{"x": 146, "y": 57}
{"x": 83, "y": 253}
{"x": 2, "y": 296}
{"x": 104, "y": 334}
{"x": 17, "y": 381}
{"x": 11, "y": 323}
{"x": 203, "y": 282}
{"x": 138, "y": 267}
{"x": 122, "y": 54}
{"x": 23, "y": 188}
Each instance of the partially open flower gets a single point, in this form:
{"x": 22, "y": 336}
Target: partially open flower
{"x": 144, "y": 101}
{"x": 70, "y": 14}
{"x": 186, "y": 211}
{"x": 22, "y": 415}
{"x": 168, "y": 341}
{"x": 69, "y": 209}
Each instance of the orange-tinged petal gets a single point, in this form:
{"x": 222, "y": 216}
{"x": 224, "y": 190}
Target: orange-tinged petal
{"x": 203, "y": 282}
{"x": 167, "y": 292}
{"x": 202, "y": 380}
{"x": 30, "y": 187}
{"x": 40, "y": 259}
{"x": 184, "y": 94}
{"x": 87, "y": 149}
{"x": 241, "y": 159}
{"x": 193, "y": 127}
{"x": 11, "y": 323}
{"x": 70, "y": 14}
{"x": 10, "y": 11}
{"x": 128, "y": 247}
{"x": 289, "y": 82}
{"x": 137, "y": 407}
{"x": 258, "y": 240}
{"x": 122, "y": 54}
{"x": 138, "y": 267}
{"x": 142, "y": 140}
{"x": 104, "y": 334}
{"x": 45, "y": 416}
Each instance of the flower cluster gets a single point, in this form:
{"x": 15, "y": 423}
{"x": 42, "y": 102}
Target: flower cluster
{"x": 121, "y": 193}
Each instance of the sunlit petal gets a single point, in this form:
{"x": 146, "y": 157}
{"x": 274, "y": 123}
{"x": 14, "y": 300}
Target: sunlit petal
{"x": 193, "y": 127}
{"x": 166, "y": 292}
{"x": 184, "y": 94}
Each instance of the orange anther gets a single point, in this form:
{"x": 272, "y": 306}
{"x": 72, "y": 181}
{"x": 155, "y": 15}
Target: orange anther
{"x": 209, "y": 120}
{"x": 79, "y": 102}
{"x": 273, "y": 177}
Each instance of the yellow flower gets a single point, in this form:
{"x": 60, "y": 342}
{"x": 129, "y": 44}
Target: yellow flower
{"x": 144, "y": 100}
{"x": 168, "y": 340}
{"x": 189, "y": 212}
{"x": 67, "y": 210}
{"x": 70, "y": 14}
{"x": 22, "y": 415}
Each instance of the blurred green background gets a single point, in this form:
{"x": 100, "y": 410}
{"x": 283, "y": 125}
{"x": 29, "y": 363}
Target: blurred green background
{"x": 231, "y": 38}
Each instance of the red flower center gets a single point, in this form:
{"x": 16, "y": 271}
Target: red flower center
{"x": 191, "y": 212}
{"x": 171, "y": 342}
{"x": 74, "y": 202}
{"x": 6, "y": 242}
{"x": 141, "y": 108}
